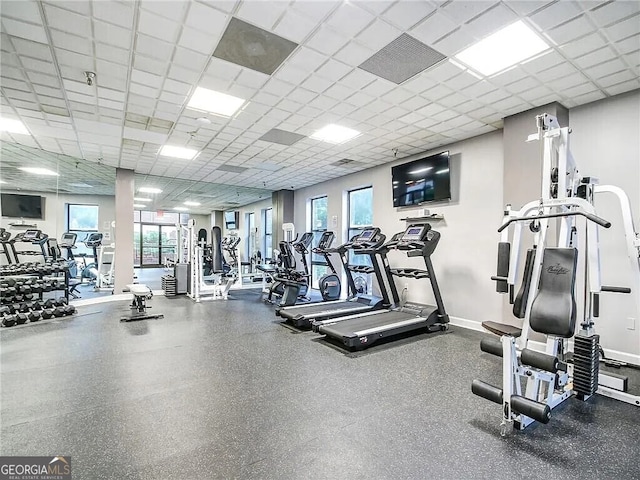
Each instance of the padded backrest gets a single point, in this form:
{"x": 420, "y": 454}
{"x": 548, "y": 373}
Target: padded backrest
{"x": 553, "y": 311}
{"x": 288, "y": 261}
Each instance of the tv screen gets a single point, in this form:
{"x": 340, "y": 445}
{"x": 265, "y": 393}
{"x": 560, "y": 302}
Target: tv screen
{"x": 21, "y": 206}
{"x": 231, "y": 220}
{"x": 423, "y": 180}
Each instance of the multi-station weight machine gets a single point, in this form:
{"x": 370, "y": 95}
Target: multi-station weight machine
{"x": 535, "y": 382}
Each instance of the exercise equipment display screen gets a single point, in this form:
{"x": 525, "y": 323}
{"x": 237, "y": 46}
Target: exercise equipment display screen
{"x": 413, "y": 233}
{"x": 366, "y": 235}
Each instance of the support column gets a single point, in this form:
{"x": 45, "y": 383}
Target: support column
{"x": 282, "y": 204}
{"x": 124, "y": 228}
{"x": 217, "y": 219}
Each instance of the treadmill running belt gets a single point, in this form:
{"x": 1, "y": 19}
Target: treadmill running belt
{"x": 321, "y": 309}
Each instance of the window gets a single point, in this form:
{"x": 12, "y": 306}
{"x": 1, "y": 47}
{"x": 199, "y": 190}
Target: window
{"x": 360, "y": 203}
{"x": 268, "y": 233}
{"x": 318, "y": 226}
{"x": 82, "y": 220}
{"x": 155, "y": 237}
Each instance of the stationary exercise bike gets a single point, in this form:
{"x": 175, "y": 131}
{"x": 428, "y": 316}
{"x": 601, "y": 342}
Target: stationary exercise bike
{"x": 90, "y": 271}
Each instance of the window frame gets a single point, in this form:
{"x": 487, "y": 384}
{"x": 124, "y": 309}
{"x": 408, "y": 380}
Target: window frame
{"x": 267, "y": 234}
{"x": 81, "y": 248}
{"x": 315, "y": 262}
{"x": 354, "y": 230}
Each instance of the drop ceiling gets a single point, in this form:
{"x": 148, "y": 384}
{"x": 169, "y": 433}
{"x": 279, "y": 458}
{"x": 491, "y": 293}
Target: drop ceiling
{"x": 149, "y": 57}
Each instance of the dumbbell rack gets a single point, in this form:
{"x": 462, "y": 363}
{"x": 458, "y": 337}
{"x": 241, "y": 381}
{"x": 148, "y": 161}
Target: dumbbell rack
{"x": 21, "y": 282}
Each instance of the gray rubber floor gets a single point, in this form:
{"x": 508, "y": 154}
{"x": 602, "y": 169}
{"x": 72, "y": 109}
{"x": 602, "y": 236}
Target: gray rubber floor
{"x": 222, "y": 390}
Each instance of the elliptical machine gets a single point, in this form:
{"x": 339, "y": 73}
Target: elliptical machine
{"x": 93, "y": 241}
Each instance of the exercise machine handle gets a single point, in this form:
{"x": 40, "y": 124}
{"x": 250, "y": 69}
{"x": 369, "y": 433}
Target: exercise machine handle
{"x": 589, "y": 216}
{"x": 608, "y": 288}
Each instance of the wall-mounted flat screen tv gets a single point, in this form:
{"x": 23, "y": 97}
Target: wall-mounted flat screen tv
{"x": 231, "y": 220}
{"x": 22, "y": 206}
{"x": 424, "y": 180}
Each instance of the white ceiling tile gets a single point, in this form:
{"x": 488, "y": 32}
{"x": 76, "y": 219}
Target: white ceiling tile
{"x": 333, "y": 70}
{"x": 455, "y": 42}
{"x": 261, "y": 14}
{"x": 604, "y": 69}
{"x": 143, "y": 90}
{"x": 111, "y": 53}
{"x": 278, "y": 87}
{"x": 42, "y": 79}
{"x": 576, "y": 28}
{"x": 405, "y": 15}
{"x": 613, "y": 11}
{"x": 29, "y": 49}
{"x": 349, "y": 19}
{"x": 306, "y": 59}
{"x": 158, "y": 27}
{"x": 353, "y": 54}
{"x": 198, "y": 41}
{"x": 589, "y": 97}
{"x": 171, "y": 10}
{"x": 623, "y": 29}
{"x": 289, "y": 73}
{"x": 190, "y": 59}
{"x": 566, "y": 82}
{"x": 357, "y": 79}
{"x": 80, "y": 98}
{"x": 111, "y": 104}
{"x": 116, "y": 83}
{"x": 16, "y": 28}
{"x": 72, "y": 43}
{"x": 327, "y": 41}
{"x": 558, "y": 71}
{"x": 67, "y": 21}
{"x": 525, "y": 7}
{"x": 317, "y": 84}
{"x": 153, "y": 47}
{"x": 111, "y": 34}
{"x": 24, "y": 10}
{"x": 177, "y": 87}
{"x": 555, "y": 14}
{"x": 599, "y": 56}
{"x": 39, "y": 66}
{"x": 252, "y": 78}
{"x": 462, "y": 12}
{"x": 295, "y": 26}
{"x": 120, "y": 14}
{"x": 433, "y": 28}
{"x": 315, "y": 10}
{"x": 112, "y": 69}
{"x": 579, "y": 90}
{"x": 629, "y": 45}
{"x": 585, "y": 44}
{"x": 378, "y": 35}
{"x": 491, "y": 21}
{"x": 623, "y": 87}
{"x": 111, "y": 94}
{"x": 65, "y": 57}
{"x": 301, "y": 95}
{"x": 397, "y": 96}
{"x": 205, "y": 18}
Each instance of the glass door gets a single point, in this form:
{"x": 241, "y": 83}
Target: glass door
{"x": 168, "y": 243}
{"x": 150, "y": 245}
{"x": 137, "y": 245}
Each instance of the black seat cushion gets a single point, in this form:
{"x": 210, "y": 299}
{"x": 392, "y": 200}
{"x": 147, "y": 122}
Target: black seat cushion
{"x": 553, "y": 311}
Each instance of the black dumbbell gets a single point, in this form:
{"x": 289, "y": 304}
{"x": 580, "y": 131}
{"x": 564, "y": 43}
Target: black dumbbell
{"x": 29, "y": 296}
{"x": 8, "y": 321}
{"x": 62, "y": 301}
{"x": 11, "y": 282}
{"x": 58, "y": 312}
{"x": 5, "y": 310}
{"x": 69, "y": 309}
{"x": 34, "y": 316}
{"x": 47, "y": 313}
{"x": 21, "y": 318}
{"x": 24, "y": 307}
{"x": 18, "y": 298}
{"x": 8, "y": 299}
{"x": 49, "y": 303}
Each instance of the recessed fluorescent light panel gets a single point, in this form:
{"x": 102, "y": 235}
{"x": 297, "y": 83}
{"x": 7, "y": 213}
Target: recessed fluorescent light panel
{"x": 80, "y": 185}
{"x": 503, "y": 49}
{"x": 181, "y": 209}
{"x": 13, "y": 126}
{"x": 149, "y": 190}
{"x": 178, "y": 152}
{"x": 38, "y": 171}
{"x": 192, "y": 204}
{"x": 215, "y": 102}
{"x": 141, "y": 199}
{"x": 139, "y": 205}
{"x": 333, "y": 133}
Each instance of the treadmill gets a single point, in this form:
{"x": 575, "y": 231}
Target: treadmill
{"x": 369, "y": 243}
{"x": 357, "y": 332}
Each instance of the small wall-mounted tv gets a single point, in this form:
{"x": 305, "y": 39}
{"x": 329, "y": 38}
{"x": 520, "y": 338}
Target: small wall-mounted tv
{"x": 424, "y": 180}
{"x": 231, "y": 220}
{"x": 22, "y": 206}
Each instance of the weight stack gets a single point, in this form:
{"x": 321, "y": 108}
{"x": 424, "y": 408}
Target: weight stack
{"x": 169, "y": 285}
{"x": 586, "y": 362}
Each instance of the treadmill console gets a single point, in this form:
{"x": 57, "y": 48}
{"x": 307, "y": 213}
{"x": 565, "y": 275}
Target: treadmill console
{"x": 32, "y": 235}
{"x": 367, "y": 239}
{"x": 419, "y": 240}
{"x": 325, "y": 240}
{"x": 415, "y": 233}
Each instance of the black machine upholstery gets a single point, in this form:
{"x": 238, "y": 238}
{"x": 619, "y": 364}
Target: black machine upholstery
{"x": 553, "y": 311}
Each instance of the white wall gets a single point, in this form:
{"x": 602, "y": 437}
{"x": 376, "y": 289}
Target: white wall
{"x": 605, "y": 142}
{"x": 54, "y": 223}
{"x": 466, "y": 255}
